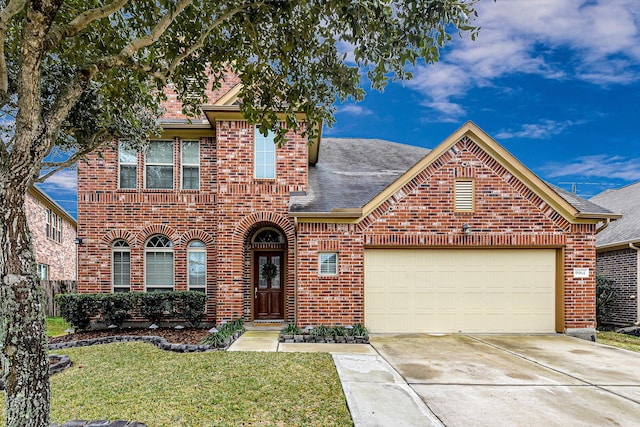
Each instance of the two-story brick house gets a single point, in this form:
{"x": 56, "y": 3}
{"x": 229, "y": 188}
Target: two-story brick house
{"x": 53, "y": 234}
{"x": 459, "y": 238}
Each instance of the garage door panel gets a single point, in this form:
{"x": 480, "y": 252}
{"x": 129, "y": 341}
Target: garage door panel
{"x": 460, "y": 290}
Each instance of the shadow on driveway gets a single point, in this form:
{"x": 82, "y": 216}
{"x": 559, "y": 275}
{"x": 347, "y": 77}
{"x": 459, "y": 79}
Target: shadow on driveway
{"x": 502, "y": 380}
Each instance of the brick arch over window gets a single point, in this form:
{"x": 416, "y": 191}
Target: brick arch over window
{"x": 190, "y": 235}
{"x": 150, "y": 230}
{"x": 114, "y": 235}
{"x": 263, "y": 219}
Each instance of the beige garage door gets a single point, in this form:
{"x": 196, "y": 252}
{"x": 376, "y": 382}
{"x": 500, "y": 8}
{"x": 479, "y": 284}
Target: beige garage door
{"x": 467, "y": 290}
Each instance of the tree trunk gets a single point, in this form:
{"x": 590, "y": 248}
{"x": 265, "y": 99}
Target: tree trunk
{"x": 25, "y": 363}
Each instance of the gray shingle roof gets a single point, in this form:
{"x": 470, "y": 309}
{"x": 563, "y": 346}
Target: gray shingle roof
{"x": 583, "y": 206}
{"x": 352, "y": 171}
{"x": 626, "y": 201}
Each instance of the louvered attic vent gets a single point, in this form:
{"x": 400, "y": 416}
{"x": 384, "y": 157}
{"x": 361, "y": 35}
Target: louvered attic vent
{"x": 464, "y": 195}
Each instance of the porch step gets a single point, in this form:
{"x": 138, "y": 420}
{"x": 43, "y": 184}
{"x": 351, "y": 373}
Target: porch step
{"x": 265, "y": 325}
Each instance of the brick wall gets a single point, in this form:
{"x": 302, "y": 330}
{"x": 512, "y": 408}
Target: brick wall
{"x": 422, "y": 214}
{"x": 622, "y": 267}
{"x": 229, "y": 208}
{"x": 59, "y": 256}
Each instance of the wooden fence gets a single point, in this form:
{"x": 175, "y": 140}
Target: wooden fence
{"x": 53, "y": 288}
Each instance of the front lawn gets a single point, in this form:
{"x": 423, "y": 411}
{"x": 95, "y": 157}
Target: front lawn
{"x": 615, "y": 339}
{"x": 139, "y": 382}
{"x": 56, "y": 326}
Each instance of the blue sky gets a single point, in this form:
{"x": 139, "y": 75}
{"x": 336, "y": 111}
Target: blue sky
{"x": 556, "y": 82}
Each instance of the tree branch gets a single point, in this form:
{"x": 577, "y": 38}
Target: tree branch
{"x": 96, "y": 140}
{"x": 11, "y": 10}
{"x": 203, "y": 37}
{"x": 155, "y": 33}
{"x": 80, "y": 22}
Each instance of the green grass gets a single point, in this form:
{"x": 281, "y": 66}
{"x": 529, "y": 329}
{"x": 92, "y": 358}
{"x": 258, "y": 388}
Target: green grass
{"x": 56, "y": 326}
{"x": 615, "y": 339}
{"x": 138, "y": 382}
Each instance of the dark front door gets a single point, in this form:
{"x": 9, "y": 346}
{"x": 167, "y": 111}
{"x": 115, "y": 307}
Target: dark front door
{"x": 268, "y": 287}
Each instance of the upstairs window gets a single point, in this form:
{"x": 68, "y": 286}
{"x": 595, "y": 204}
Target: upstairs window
{"x": 53, "y": 227}
{"x": 197, "y": 266}
{"x": 159, "y": 165}
{"x": 464, "y": 195}
{"x": 190, "y": 165}
{"x": 158, "y": 264}
{"x": 121, "y": 266}
{"x": 128, "y": 162}
{"x": 264, "y": 155}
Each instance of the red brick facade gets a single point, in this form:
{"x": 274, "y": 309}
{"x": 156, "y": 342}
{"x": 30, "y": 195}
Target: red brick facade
{"x": 59, "y": 255}
{"x": 232, "y": 205}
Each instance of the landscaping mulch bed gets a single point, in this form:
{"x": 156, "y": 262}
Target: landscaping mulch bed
{"x": 191, "y": 336}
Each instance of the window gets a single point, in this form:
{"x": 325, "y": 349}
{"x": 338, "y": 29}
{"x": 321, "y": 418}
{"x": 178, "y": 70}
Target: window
{"x": 53, "y": 227}
{"x": 158, "y": 264}
{"x": 265, "y": 155}
{"x": 464, "y": 192}
{"x": 128, "y": 160}
{"x": 197, "y": 266}
{"x": 268, "y": 235}
{"x": 159, "y": 165}
{"x": 48, "y": 220}
{"x": 43, "y": 271}
{"x": 190, "y": 165}
{"x": 328, "y": 264}
{"x": 120, "y": 266}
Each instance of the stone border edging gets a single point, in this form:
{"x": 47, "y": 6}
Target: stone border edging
{"x": 159, "y": 342}
{"x": 305, "y": 338}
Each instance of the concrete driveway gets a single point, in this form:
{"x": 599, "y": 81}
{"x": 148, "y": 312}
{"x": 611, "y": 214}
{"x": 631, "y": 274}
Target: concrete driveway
{"x": 489, "y": 380}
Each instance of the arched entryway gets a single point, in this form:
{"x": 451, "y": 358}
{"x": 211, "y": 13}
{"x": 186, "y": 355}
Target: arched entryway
{"x": 268, "y": 251}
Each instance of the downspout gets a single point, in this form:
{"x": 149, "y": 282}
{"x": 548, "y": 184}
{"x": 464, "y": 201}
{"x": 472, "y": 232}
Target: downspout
{"x": 295, "y": 270}
{"x": 637, "y": 249}
{"x": 603, "y": 226}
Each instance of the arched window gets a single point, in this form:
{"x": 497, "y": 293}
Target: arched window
{"x": 268, "y": 235}
{"x": 158, "y": 256}
{"x": 196, "y": 266}
{"x": 120, "y": 266}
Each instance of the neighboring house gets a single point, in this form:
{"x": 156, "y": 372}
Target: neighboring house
{"x": 402, "y": 239}
{"x": 618, "y": 247}
{"x": 53, "y": 234}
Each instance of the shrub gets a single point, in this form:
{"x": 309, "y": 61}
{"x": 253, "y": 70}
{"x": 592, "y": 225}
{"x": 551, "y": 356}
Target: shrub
{"x": 322, "y": 331}
{"x": 78, "y": 309}
{"x": 359, "y": 330}
{"x": 224, "y": 334}
{"x": 339, "y": 331}
{"x": 152, "y": 305}
{"x": 188, "y": 305}
{"x": 116, "y": 307}
{"x": 291, "y": 329}
{"x": 605, "y": 293}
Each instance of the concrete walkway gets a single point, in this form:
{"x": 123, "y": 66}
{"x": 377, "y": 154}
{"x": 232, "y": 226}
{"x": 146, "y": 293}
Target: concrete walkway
{"x": 376, "y": 394}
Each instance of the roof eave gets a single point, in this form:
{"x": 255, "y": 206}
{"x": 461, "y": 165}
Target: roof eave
{"x": 617, "y": 245}
{"x": 588, "y": 215}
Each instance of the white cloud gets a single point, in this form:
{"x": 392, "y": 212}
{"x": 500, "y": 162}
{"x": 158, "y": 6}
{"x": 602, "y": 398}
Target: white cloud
{"x": 543, "y": 130}
{"x": 601, "y": 166}
{"x": 355, "y": 110}
{"x": 65, "y": 180}
{"x": 599, "y": 41}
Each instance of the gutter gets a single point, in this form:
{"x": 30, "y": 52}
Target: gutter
{"x": 603, "y": 226}
{"x": 637, "y": 249}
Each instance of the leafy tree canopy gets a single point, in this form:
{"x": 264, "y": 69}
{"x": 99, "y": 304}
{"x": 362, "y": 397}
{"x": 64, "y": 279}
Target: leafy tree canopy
{"x": 100, "y": 66}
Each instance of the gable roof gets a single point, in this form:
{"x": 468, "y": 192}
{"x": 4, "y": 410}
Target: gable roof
{"x": 41, "y": 195}
{"x": 353, "y": 177}
{"x": 625, "y": 200}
